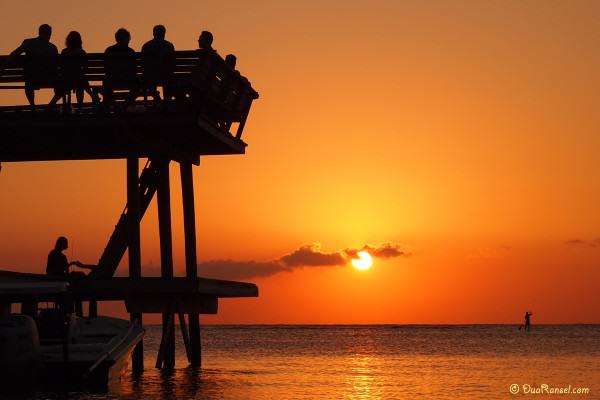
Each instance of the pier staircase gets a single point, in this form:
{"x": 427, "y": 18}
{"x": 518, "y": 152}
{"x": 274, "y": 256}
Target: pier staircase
{"x": 119, "y": 240}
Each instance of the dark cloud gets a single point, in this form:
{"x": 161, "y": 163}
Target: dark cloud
{"x": 575, "y": 242}
{"x": 384, "y": 250}
{"x": 230, "y": 269}
{"x": 221, "y": 269}
{"x": 310, "y": 255}
{"x": 595, "y": 243}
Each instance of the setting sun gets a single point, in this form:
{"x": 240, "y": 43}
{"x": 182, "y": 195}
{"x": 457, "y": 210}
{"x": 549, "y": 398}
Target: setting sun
{"x": 363, "y": 262}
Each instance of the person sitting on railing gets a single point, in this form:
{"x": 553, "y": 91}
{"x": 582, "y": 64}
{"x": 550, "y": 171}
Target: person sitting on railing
{"x": 121, "y": 69}
{"x": 40, "y": 62}
{"x": 73, "y": 65}
{"x": 229, "y": 91}
{"x": 158, "y": 63}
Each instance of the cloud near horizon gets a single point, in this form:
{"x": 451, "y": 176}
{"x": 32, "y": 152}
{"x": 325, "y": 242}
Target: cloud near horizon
{"x": 308, "y": 255}
{"x": 580, "y": 242}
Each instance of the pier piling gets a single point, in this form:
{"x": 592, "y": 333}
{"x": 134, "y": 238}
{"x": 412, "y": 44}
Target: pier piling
{"x": 134, "y": 248}
{"x": 191, "y": 265}
{"x": 166, "y": 255}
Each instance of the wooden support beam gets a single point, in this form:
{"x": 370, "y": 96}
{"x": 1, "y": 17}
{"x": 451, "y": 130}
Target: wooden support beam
{"x": 133, "y": 209}
{"x": 30, "y": 307}
{"x": 167, "y": 336}
{"x": 191, "y": 264}
{"x": 189, "y": 219}
{"x": 134, "y": 248}
{"x": 166, "y": 255}
{"x": 93, "y": 309}
{"x": 184, "y": 333}
{"x": 195, "y": 344}
{"x": 163, "y": 195}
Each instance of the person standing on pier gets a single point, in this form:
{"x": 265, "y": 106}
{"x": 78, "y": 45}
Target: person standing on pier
{"x": 40, "y": 68}
{"x": 58, "y": 265}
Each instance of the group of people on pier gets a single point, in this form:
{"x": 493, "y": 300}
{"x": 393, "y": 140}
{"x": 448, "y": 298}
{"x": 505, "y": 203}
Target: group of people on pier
{"x": 45, "y": 68}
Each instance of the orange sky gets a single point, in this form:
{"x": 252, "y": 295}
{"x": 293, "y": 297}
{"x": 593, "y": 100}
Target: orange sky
{"x": 464, "y": 131}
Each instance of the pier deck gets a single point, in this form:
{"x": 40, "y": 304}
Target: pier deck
{"x": 181, "y": 137}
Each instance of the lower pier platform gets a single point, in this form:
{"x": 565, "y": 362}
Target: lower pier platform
{"x": 171, "y": 297}
{"x": 143, "y": 295}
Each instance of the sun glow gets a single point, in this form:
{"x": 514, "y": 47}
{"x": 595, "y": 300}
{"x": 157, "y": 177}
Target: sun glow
{"x": 363, "y": 262}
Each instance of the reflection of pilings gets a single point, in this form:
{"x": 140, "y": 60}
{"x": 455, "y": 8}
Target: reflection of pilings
{"x": 189, "y": 226}
{"x": 134, "y": 248}
{"x": 166, "y": 256}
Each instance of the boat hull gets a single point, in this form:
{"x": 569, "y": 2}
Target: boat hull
{"x": 19, "y": 350}
{"x": 85, "y": 363}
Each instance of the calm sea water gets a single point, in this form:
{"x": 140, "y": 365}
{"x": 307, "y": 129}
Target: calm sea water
{"x": 369, "y": 362}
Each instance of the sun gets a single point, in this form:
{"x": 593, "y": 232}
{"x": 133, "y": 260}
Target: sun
{"x": 363, "y": 262}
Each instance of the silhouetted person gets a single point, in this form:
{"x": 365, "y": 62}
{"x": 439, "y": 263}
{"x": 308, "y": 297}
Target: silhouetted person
{"x": 231, "y": 61}
{"x": 58, "y": 265}
{"x": 121, "y": 68}
{"x": 528, "y": 320}
{"x": 208, "y": 57}
{"x": 73, "y": 66}
{"x": 40, "y": 63}
{"x": 230, "y": 86}
{"x": 234, "y": 87}
{"x": 204, "y": 73}
{"x": 158, "y": 62}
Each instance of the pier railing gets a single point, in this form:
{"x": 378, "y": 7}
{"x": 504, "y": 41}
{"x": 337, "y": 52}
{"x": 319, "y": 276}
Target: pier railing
{"x": 214, "y": 89}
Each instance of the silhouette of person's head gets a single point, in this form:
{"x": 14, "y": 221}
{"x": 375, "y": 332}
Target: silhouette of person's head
{"x": 230, "y": 60}
{"x": 61, "y": 243}
{"x": 205, "y": 40}
{"x": 159, "y": 32}
{"x": 122, "y": 36}
{"x": 45, "y": 32}
{"x": 73, "y": 40}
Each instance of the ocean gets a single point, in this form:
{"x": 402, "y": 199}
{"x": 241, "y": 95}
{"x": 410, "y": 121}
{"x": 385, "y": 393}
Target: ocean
{"x": 372, "y": 362}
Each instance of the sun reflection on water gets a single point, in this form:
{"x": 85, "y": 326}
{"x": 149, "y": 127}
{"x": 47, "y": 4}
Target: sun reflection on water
{"x": 361, "y": 380}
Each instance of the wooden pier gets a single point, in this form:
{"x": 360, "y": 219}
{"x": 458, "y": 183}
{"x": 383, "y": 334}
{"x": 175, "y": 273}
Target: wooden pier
{"x": 172, "y": 130}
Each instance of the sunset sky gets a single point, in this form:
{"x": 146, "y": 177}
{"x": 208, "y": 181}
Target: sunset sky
{"x": 461, "y": 136}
